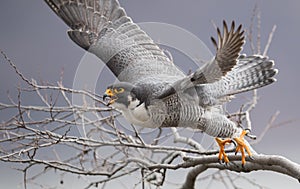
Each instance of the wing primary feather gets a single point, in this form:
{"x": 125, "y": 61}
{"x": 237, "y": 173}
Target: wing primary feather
{"x": 228, "y": 48}
{"x": 225, "y": 33}
{"x": 103, "y": 28}
{"x": 214, "y": 42}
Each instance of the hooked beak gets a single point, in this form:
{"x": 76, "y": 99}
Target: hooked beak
{"x": 109, "y": 94}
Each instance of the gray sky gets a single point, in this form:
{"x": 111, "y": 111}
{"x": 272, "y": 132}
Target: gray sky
{"x": 36, "y": 40}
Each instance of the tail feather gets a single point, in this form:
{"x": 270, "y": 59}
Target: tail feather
{"x": 251, "y": 72}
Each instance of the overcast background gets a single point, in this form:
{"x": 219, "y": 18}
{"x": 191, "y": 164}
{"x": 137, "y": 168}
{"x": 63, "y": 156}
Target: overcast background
{"x": 36, "y": 40}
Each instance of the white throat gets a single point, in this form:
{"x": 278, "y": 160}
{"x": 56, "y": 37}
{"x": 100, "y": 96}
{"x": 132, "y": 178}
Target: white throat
{"x": 136, "y": 113}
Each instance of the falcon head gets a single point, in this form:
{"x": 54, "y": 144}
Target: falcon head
{"x": 124, "y": 95}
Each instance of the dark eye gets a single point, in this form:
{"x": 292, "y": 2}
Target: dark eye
{"x": 119, "y": 90}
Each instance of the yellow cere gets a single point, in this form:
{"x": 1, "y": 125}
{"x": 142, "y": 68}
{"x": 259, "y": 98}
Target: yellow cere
{"x": 109, "y": 92}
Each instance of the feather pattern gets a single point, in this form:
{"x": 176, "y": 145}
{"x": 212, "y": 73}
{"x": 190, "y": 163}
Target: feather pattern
{"x": 103, "y": 28}
{"x": 228, "y": 48}
{"x": 163, "y": 95}
{"x": 251, "y": 72}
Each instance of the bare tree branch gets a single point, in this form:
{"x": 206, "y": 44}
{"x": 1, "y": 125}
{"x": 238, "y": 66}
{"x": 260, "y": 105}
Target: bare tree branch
{"x": 24, "y": 138}
{"x": 269, "y": 40}
{"x": 107, "y": 150}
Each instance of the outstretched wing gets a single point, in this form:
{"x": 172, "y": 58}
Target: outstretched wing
{"x": 228, "y": 49}
{"x": 103, "y": 28}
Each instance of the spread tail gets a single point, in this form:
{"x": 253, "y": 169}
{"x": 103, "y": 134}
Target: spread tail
{"x": 250, "y": 73}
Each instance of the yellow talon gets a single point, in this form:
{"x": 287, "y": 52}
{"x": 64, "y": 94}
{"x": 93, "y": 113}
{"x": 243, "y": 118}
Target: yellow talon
{"x": 222, "y": 154}
{"x": 241, "y": 146}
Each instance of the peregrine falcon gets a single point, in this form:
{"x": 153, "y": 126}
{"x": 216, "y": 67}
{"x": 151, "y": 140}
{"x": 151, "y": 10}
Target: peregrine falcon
{"x": 152, "y": 91}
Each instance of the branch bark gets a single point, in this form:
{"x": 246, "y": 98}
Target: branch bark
{"x": 259, "y": 162}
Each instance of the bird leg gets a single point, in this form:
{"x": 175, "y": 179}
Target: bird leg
{"x": 222, "y": 154}
{"x": 241, "y": 146}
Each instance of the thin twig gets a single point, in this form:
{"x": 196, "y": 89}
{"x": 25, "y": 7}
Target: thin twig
{"x": 270, "y": 38}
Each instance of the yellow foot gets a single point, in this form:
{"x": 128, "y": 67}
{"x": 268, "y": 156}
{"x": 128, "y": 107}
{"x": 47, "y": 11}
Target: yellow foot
{"x": 222, "y": 154}
{"x": 241, "y": 147}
